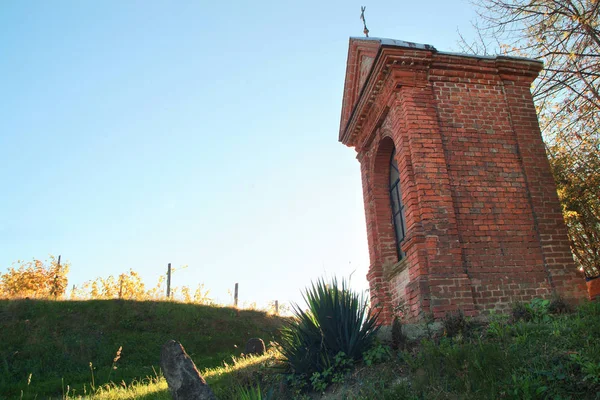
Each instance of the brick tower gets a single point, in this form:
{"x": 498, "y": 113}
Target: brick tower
{"x": 461, "y": 207}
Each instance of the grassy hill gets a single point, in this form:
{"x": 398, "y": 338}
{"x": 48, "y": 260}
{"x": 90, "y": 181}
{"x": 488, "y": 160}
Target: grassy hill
{"x": 55, "y": 344}
{"x": 535, "y": 353}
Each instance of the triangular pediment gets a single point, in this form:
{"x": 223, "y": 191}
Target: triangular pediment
{"x": 361, "y": 57}
{"x": 363, "y": 54}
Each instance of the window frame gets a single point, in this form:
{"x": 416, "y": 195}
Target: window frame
{"x": 396, "y": 205}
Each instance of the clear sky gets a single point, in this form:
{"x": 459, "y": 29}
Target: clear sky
{"x": 138, "y": 133}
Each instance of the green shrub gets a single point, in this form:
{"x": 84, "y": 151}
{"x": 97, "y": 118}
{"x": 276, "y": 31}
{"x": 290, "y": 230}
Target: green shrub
{"x": 337, "y": 321}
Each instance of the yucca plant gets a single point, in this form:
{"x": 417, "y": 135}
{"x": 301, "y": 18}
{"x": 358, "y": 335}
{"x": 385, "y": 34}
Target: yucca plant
{"x": 337, "y": 320}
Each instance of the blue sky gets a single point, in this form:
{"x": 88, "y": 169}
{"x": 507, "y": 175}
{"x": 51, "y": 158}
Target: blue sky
{"x": 138, "y": 133}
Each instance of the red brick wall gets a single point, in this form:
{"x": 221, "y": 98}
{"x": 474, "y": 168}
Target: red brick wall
{"x": 593, "y": 287}
{"x": 484, "y": 228}
{"x": 501, "y": 250}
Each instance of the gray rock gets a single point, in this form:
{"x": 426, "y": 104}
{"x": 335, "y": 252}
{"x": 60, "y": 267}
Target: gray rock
{"x": 183, "y": 378}
{"x": 413, "y": 332}
{"x": 423, "y": 330}
{"x": 255, "y": 346}
{"x": 384, "y": 334}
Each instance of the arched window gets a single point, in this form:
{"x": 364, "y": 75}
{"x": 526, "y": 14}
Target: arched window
{"x": 397, "y": 206}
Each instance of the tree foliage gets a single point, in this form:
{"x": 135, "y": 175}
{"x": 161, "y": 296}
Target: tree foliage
{"x": 565, "y": 35}
{"x": 35, "y": 279}
{"x": 578, "y": 182}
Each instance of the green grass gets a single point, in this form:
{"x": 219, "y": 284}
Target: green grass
{"x": 239, "y": 378}
{"x": 555, "y": 357}
{"x": 54, "y": 342}
{"x": 551, "y": 357}
{"x": 145, "y": 389}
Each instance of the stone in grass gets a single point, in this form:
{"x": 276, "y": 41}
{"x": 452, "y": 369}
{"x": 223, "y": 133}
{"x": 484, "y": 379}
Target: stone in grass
{"x": 255, "y": 346}
{"x": 183, "y": 378}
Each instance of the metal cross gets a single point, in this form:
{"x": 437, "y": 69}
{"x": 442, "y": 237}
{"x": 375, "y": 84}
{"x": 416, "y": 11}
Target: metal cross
{"x": 362, "y": 17}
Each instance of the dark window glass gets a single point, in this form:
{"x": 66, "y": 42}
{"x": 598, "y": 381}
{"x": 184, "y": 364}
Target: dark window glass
{"x": 397, "y": 206}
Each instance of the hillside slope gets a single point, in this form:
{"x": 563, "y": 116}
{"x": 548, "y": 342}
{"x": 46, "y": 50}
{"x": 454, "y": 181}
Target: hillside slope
{"x": 75, "y": 343}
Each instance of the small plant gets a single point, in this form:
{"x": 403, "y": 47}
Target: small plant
{"x": 298, "y": 383}
{"x": 114, "y": 364}
{"x": 499, "y": 330}
{"x": 28, "y": 384}
{"x": 429, "y": 320}
{"x": 93, "y": 382}
{"x": 526, "y": 386}
{"x": 320, "y": 380}
{"x": 520, "y": 312}
{"x": 335, "y": 373}
{"x": 377, "y": 354}
{"x": 539, "y": 309}
{"x": 399, "y": 338}
{"x": 498, "y": 327}
{"x": 590, "y": 368}
{"x": 455, "y": 324}
{"x": 559, "y": 306}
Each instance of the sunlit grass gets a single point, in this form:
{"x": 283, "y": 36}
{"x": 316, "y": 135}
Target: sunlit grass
{"x": 149, "y": 388}
{"x": 239, "y": 364}
{"x": 237, "y": 371}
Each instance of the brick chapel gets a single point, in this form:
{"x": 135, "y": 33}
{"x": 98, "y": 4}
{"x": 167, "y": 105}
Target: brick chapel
{"x": 461, "y": 207}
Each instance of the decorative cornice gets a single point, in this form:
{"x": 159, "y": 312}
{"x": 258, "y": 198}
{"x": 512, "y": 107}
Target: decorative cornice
{"x": 398, "y": 64}
{"x": 405, "y": 67}
{"x": 519, "y": 70}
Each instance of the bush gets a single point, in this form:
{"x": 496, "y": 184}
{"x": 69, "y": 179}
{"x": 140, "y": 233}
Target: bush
{"x": 337, "y": 321}
{"x": 35, "y": 279}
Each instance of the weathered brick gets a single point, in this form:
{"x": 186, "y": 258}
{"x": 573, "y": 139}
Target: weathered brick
{"x": 484, "y": 227}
